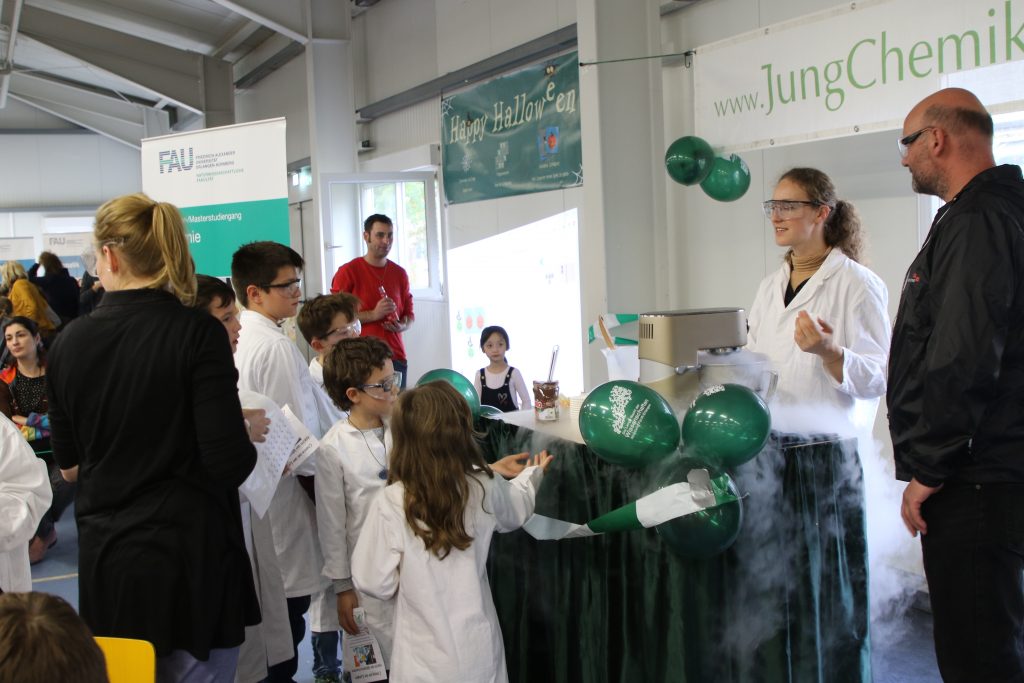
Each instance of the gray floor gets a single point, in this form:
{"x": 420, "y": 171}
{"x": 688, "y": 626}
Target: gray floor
{"x": 908, "y": 658}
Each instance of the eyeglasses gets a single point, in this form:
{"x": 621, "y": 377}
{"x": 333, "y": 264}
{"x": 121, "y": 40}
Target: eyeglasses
{"x": 904, "y": 143}
{"x": 350, "y": 330}
{"x": 387, "y": 386}
{"x": 786, "y": 208}
{"x": 290, "y": 288}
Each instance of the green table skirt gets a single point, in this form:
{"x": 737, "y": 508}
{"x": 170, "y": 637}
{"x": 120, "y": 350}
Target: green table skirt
{"x": 787, "y": 602}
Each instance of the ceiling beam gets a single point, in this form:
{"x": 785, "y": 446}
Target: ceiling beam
{"x": 125, "y": 122}
{"x": 236, "y": 38}
{"x": 286, "y": 18}
{"x": 169, "y": 72}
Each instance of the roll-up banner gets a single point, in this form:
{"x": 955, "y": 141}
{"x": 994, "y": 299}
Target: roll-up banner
{"x": 20, "y": 249}
{"x": 230, "y": 183}
{"x": 857, "y": 67}
{"x": 69, "y": 246}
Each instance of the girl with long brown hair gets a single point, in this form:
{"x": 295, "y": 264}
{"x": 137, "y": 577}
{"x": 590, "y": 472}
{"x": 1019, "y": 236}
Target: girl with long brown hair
{"x": 432, "y": 527}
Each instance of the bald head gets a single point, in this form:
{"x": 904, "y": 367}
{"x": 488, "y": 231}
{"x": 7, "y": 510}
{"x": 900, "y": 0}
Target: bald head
{"x": 959, "y": 146}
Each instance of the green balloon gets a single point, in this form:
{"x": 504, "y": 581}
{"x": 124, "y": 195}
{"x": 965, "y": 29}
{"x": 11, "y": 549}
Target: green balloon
{"x": 706, "y": 533}
{"x": 727, "y": 425}
{"x": 461, "y": 384}
{"x": 629, "y": 424}
{"x": 688, "y": 160}
{"x": 489, "y": 411}
{"x": 728, "y": 179}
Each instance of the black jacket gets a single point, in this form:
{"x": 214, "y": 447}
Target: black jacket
{"x": 956, "y": 369}
{"x": 60, "y": 290}
{"x": 144, "y": 400}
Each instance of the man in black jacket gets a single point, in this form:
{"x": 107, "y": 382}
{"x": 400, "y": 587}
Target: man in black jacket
{"x": 956, "y": 389}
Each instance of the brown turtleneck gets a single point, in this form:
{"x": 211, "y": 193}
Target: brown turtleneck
{"x": 803, "y": 268}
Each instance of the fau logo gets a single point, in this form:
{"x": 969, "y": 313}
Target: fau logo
{"x": 174, "y": 160}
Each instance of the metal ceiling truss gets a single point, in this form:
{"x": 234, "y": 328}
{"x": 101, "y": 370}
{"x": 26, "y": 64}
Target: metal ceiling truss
{"x": 120, "y": 120}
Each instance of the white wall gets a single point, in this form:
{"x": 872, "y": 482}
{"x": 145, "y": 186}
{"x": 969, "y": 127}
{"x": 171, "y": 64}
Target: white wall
{"x": 282, "y": 93}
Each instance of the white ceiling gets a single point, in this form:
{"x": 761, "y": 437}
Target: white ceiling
{"x": 133, "y": 68}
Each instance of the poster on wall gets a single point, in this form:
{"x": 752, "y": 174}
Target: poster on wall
{"x": 69, "y": 246}
{"x": 230, "y": 183}
{"x": 515, "y": 134}
{"x": 20, "y": 249}
{"x": 855, "y": 68}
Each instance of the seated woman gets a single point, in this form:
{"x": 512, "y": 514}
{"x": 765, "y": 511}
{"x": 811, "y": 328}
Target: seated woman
{"x": 23, "y": 400}
{"x": 25, "y": 297}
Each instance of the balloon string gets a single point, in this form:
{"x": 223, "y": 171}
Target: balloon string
{"x": 687, "y": 53}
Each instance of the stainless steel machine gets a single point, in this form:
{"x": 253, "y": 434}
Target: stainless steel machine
{"x": 675, "y": 345}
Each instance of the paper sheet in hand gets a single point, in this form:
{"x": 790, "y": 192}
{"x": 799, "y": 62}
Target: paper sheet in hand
{"x": 361, "y": 653}
{"x": 305, "y": 444}
{"x": 271, "y": 455}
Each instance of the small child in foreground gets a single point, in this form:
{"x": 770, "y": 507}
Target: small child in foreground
{"x": 429, "y": 532}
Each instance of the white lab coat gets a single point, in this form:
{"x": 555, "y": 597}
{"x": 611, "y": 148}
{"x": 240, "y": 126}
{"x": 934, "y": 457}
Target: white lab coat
{"x": 25, "y": 496}
{"x": 269, "y": 363}
{"x": 347, "y": 480}
{"x": 446, "y": 628}
{"x": 270, "y": 641}
{"x": 854, "y": 301}
{"x": 333, "y": 413}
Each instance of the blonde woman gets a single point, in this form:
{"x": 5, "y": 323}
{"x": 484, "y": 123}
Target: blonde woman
{"x": 26, "y": 298}
{"x": 144, "y": 412}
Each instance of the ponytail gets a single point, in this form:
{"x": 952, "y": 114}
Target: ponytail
{"x": 150, "y": 239}
{"x": 178, "y": 271}
{"x": 842, "y": 229}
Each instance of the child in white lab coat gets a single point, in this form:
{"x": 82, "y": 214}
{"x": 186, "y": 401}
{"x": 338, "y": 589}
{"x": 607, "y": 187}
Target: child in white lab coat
{"x": 429, "y": 530}
{"x": 325, "y": 320}
{"x": 353, "y": 467}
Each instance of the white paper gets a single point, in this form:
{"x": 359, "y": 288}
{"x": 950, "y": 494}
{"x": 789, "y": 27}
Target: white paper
{"x": 304, "y": 445}
{"x": 271, "y": 458}
{"x": 361, "y": 655}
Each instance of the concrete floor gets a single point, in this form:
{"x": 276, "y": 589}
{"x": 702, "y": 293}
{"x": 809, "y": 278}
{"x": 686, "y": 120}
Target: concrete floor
{"x": 909, "y": 658}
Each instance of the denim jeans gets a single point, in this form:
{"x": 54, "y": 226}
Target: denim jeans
{"x": 974, "y": 561}
{"x": 325, "y": 654}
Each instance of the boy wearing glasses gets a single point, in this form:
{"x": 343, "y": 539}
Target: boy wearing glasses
{"x": 266, "y": 279}
{"x": 325, "y": 320}
{"x": 352, "y": 468}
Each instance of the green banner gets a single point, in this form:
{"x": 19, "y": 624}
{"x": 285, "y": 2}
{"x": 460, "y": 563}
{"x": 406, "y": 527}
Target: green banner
{"x": 515, "y": 134}
{"x": 215, "y": 231}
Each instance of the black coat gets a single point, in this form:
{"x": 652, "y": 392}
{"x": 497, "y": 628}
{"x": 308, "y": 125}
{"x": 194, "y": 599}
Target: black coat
{"x": 956, "y": 369}
{"x": 143, "y": 399}
{"x": 60, "y": 290}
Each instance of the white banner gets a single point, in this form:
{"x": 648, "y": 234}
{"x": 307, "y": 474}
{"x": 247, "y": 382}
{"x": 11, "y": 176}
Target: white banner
{"x": 230, "y": 183}
{"x": 69, "y": 246}
{"x": 854, "y": 68}
{"x": 21, "y": 249}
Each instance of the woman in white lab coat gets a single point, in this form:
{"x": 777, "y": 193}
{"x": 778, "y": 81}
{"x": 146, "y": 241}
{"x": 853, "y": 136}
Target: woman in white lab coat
{"x": 822, "y": 317}
{"x": 426, "y": 537}
{"x": 25, "y": 496}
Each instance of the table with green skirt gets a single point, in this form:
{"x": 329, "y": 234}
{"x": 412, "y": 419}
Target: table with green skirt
{"x": 788, "y": 601}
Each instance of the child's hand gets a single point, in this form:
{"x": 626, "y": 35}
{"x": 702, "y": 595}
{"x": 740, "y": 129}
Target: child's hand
{"x": 541, "y": 460}
{"x": 348, "y": 601}
{"x": 511, "y": 465}
{"x": 258, "y": 424}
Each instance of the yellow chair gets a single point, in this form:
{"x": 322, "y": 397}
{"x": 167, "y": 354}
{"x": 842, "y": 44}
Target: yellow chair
{"x": 128, "y": 660}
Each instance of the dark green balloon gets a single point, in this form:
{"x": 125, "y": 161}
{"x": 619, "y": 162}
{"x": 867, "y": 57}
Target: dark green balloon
{"x": 728, "y": 179}
{"x": 727, "y": 425}
{"x": 629, "y": 424}
{"x": 688, "y": 160}
{"x": 461, "y": 384}
{"x": 489, "y": 411}
{"x": 706, "y": 533}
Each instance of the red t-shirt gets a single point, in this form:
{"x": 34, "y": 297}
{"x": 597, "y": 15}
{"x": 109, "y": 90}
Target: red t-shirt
{"x": 364, "y": 280}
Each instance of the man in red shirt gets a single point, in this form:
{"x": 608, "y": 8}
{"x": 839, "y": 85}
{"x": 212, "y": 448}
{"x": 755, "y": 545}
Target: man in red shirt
{"x": 382, "y": 287}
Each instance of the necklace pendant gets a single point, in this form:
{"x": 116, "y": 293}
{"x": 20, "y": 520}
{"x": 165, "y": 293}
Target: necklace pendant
{"x": 383, "y": 474}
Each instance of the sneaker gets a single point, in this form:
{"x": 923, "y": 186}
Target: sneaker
{"x": 37, "y": 547}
